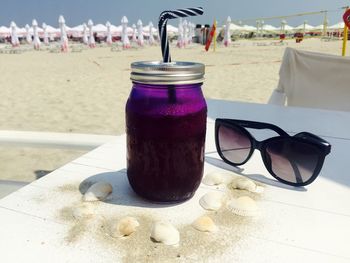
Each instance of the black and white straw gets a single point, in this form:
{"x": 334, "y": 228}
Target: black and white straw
{"x": 163, "y": 19}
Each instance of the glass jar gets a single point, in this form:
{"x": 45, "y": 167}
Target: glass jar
{"x": 166, "y": 126}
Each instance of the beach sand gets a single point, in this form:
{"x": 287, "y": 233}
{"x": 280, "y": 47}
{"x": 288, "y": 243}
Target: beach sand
{"x": 86, "y": 92}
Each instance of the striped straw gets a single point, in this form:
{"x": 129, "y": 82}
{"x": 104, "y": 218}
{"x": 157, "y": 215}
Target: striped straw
{"x": 163, "y": 19}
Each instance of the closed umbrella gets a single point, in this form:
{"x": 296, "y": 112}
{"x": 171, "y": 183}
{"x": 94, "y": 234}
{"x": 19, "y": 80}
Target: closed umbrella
{"x": 151, "y": 38}
{"x": 85, "y": 34}
{"x": 139, "y": 33}
{"x": 92, "y": 43}
{"x": 125, "y": 38}
{"x": 134, "y": 33}
{"x": 64, "y": 39}
{"x": 36, "y": 41}
{"x": 46, "y": 37}
{"x": 180, "y": 40}
{"x": 109, "y": 34}
{"x": 14, "y": 36}
{"x": 28, "y": 35}
{"x": 227, "y": 35}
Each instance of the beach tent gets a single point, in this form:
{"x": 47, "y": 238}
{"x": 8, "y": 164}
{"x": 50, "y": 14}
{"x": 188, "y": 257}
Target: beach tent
{"x": 100, "y": 30}
{"x": 269, "y": 28}
{"x": 234, "y": 27}
{"x": 4, "y": 31}
{"x": 339, "y": 25}
{"x": 307, "y": 27}
{"x": 248, "y": 28}
{"x": 286, "y": 28}
{"x": 77, "y": 31}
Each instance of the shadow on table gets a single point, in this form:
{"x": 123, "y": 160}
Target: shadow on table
{"x": 122, "y": 192}
{"x": 257, "y": 177}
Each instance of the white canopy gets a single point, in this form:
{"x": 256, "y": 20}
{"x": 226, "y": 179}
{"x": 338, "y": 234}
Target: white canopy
{"x": 339, "y": 25}
{"x": 248, "y": 28}
{"x": 269, "y": 28}
{"x": 307, "y": 27}
{"x": 234, "y": 27}
{"x": 4, "y": 31}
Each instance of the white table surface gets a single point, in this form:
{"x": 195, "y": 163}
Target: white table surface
{"x": 310, "y": 224}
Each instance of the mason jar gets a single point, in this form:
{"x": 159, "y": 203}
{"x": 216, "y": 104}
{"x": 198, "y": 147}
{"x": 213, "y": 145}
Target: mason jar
{"x": 165, "y": 126}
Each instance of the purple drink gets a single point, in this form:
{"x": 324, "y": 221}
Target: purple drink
{"x": 165, "y": 140}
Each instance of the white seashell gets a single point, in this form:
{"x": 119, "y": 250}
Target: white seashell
{"x": 212, "y": 200}
{"x": 83, "y": 211}
{"x": 214, "y": 178}
{"x": 124, "y": 227}
{"x": 205, "y": 224}
{"x": 97, "y": 191}
{"x": 246, "y": 184}
{"x": 165, "y": 233}
{"x": 243, "y": 206}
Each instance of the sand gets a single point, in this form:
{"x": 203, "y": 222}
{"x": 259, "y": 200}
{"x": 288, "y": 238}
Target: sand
{"x": 86, "y": 92}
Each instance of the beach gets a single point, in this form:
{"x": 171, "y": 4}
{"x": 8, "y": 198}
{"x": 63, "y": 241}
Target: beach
{"x": 86, "y": 92}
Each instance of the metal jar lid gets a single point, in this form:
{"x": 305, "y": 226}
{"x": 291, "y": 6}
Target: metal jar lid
{"x": 160, "y": 73}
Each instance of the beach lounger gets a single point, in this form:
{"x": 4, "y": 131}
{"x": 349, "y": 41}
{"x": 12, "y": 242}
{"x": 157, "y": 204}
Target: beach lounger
{"x": 314, "y": 80}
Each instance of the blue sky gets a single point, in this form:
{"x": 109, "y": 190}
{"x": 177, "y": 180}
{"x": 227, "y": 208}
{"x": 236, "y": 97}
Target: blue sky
{"x": 78, "y": 11}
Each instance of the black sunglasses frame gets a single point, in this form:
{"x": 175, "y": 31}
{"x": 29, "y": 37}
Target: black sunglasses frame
{"x": 323, "y": 146}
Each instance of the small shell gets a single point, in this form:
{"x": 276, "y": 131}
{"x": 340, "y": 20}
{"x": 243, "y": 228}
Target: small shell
{"x": 246, "y": 184}
{"x": 212, "y": 200}
{"x": 216, "y": 178}
{"x": 205, "y": 224}
{"x": 97, "y": 191}
{"x": 124, "y": 227}
{"x": 243, "y": 206}
{"x": 83, "y": 211}
{"x": 165, "y": 233}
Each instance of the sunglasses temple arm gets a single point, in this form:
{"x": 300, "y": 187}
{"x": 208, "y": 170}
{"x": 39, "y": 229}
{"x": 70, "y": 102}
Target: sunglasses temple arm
{"x": 261, "y": 125}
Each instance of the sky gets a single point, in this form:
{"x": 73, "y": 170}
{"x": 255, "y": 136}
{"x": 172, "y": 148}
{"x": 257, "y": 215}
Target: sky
{"x": 78, "y": 11}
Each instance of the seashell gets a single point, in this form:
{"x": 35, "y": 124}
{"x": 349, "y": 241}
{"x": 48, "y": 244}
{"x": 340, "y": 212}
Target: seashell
{"x": 124, "y": 227}
{"x": 83, "y": 211}
{"x": 97, "y": 191}
{"x": 243, "y": 206}
{"x": 205, "y": 224}
{"x": 216, "y": 178}
{"x": 246, "y": 184}
{"x": 212, "y": 200}
{"x": 165, "y": 233}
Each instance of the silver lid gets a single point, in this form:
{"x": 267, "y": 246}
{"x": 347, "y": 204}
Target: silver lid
{"x": 159, "y": 73}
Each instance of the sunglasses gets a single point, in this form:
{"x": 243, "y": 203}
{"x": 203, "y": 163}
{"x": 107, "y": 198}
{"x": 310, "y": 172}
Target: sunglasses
{"x": 294, "y": 160}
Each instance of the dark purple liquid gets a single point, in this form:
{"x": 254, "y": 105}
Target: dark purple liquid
{"x": 165, "y": 148}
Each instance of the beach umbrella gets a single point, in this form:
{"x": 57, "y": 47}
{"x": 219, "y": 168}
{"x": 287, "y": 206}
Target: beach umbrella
{"x": 125, "y": 37}
{"x": 185, "y": 32}
{"x": 36, "y": 41}
{"x": 46, "y": 37}
{"x": 28, "y": 35}
{"x": 151, "y": 40}
{"x": 14, "y": 36}
{"x": 139, "y": 33}
{"x": 109, "y": 34}
{"x": 227, "y": 36}
{"x": 134, "y": 33}
{"x": 180, "y": 36}
{"x": 64, "y": 39}
{"x": 91, "y": 34}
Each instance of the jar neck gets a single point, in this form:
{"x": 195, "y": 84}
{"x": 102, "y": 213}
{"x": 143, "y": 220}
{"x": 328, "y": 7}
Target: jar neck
{"x": 177, "y": 86}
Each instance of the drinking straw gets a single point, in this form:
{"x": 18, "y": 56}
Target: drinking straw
{"x": 162, "y": 22}
{"x": 346, "y": 18}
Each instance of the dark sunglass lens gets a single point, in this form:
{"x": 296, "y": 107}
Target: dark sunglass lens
{"x": 234, "y": 144}
{"x": 291, "y": 160}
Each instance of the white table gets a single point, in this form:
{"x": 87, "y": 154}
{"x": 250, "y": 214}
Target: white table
{"x": 310, "y": 224}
